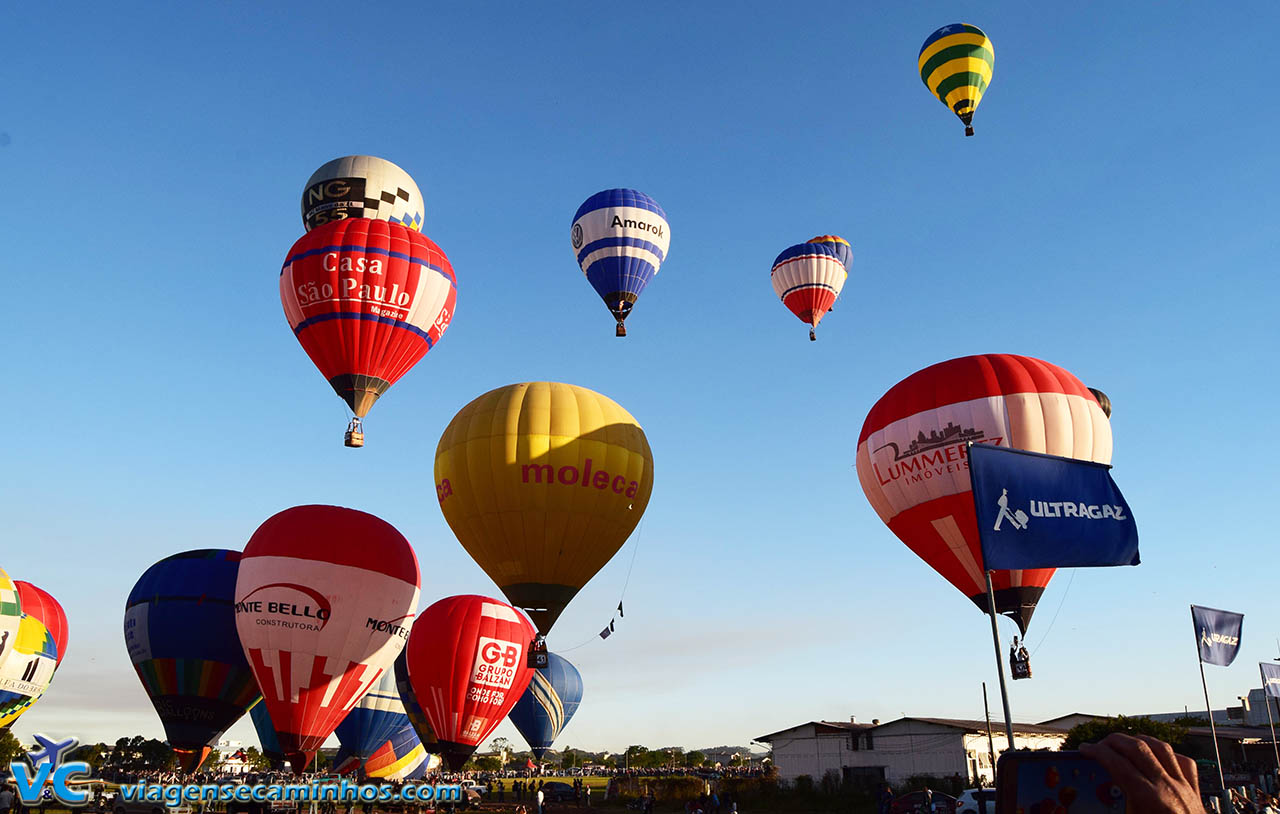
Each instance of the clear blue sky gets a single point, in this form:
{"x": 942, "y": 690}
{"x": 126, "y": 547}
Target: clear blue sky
{"x": 1115, "y": 214}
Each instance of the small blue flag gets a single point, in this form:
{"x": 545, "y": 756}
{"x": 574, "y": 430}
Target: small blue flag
{"x": 1270, "y": 678}
{"x": 1042, "y": 511}
{"x": 1218, "y": 634}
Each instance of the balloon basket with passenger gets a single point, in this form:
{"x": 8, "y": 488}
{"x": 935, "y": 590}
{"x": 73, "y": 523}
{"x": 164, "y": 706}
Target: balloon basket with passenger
{"x": 354, "y": 436}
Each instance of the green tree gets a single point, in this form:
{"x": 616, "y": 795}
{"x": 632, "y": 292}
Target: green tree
{"x": 1092, "y": 731}
{"x": 256, "y": 760}
{"x": 695, "y": 758}
{"x": 569, "y": 758}
{"x": 10, "y": 748}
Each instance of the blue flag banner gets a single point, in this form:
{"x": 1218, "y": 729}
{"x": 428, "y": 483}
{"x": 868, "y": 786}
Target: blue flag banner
{"x": 1218, "y": 634}
{"x": 1042, "y": 511}
{"x": 1270, "y": 678}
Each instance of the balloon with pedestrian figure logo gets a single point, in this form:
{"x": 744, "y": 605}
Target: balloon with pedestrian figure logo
{"x": 912, "y": 459}
{"x": 367, "y": 299}
{"x": 808, "y": 277}
{"x": 546, "y": 707}
{"x": 620, "y": 238}
{"x": 956, "y": 63}
{"x": 542, "y": 483}
{"x": 361, "y": 186}
{"x": 180, "y": 631}
{"x": 324, "y": 600}
{"x": 467, "y": 662}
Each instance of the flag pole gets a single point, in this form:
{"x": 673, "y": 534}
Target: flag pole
{"x": 1222, "y": 781}
{"x": 1266, "y": 700}
{"x": 1004, "y": 690}
{"x": 991, "y": 743}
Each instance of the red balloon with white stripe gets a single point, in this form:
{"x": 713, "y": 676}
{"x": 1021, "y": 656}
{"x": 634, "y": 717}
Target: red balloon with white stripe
{"x": 808, "y": 277}
{"x": 366, "y": 299}
{"x": 467, "y": 664}
{"x": 914, "y": 468}
{"x": 324, "y": 600}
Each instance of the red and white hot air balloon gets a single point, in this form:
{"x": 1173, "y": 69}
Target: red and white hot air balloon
{"x": 467, "y": 661}
{"x": 324, "y": 600}
{"x": 808, "y": 277}
{"x": 914, "y": 468}
{"x": 366, "y": 299}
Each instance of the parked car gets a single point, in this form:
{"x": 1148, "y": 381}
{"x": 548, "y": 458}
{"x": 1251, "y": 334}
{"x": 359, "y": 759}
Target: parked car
{"x": 557, "y": 792}
{"x": 913, "y": 803}
{"x": 970, "y": 801}
{"x": 471, "y": 785}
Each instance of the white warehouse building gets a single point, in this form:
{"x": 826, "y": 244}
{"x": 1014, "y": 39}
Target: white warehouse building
{"x": 891, "y": 752}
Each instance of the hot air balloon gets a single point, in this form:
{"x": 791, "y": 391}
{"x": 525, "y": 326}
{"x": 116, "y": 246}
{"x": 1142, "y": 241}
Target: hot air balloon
{"x": 620, "y": 237}
{"x": 808, "y": 277}
{"x": 956, "y": 62}
{"x": 366, "y": 299}
{"x": 1103, "y": 401}
{"x": 324, "y": 599}
{"x": 10, "y": 616}
{"x": 361, "y": 186}
{"x": 467, "y": 664}
{"x": 542, "y": 483}
{"x": 913, "y": 460}
{"x": 376, "y": 717}
{"x": 400, "y": 757}
{"x": 417, "y": 718}
{"x": 547, "y": 705}
{"x": 180, "y": 630}
{"x": 41, "y": 604}
{"x": 267, "y": 735}
{"x": 27, "y": 673}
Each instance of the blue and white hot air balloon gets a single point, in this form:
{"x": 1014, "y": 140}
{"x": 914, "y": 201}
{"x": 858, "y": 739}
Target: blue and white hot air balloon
{"x": 267, "y": 734}
{"x": 548, "y": 704}
{"x": 373, "y": 720}
{"x": 620, "y": 237}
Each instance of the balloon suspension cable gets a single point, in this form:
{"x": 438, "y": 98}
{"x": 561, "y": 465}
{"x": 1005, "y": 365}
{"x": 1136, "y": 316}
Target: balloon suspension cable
{"x": 634, "y": 550}
{"x": 1062, "y": 602}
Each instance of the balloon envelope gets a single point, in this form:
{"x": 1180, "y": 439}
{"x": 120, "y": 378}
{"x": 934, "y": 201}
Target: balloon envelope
{"x": 374, "y": 719}
{"x": 914, "y": 469}
{"x": 417, "y": 718}
{"x": 808, "y": 277}
{"x": 553, "y": 696}
{"x": 542, "y": 483}
{"x": 267, "y": 734}
{"x": 620, "y": 238}
{"x": 361, "y": 186}
{"x": 180, "y": 631}
{"x": 41, "y": 604}
{"x": 366, "y": 299}
{"x": 324, "y": 598}
{"x": 467, "y": 664}
{"x": 956, "y": 63}
{"x": 10, "y": 616}
{"x": 25, "y": 676}
{"x": 400, "y": 757}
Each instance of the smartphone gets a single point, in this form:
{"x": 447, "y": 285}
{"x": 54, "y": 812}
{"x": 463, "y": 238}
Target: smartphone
{"x": 1055, "y": 783}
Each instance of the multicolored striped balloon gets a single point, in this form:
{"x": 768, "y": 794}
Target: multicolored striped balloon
{"x": 180, "y": 631}
{"x": 26, "y": 675}
{"x": 807, "y": 277}
{"x": 956, "y": 63}
{"x": 620, "y": 237}
{"x": 10, "y": 616}
{"x": 376, "y": 717}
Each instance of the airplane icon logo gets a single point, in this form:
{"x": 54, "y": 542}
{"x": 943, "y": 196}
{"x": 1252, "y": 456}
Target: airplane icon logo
{"x": 50, "y": 750}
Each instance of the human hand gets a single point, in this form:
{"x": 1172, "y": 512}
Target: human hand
{"x": 1153, "y": 778}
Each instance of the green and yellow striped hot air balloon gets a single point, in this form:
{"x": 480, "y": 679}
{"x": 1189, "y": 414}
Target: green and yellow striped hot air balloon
{"x": 956, "y": 62}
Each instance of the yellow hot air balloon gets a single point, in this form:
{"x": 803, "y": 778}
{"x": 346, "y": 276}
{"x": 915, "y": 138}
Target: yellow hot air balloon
{"x": 542, "y": 483}
{"x": 955, "y": 64}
